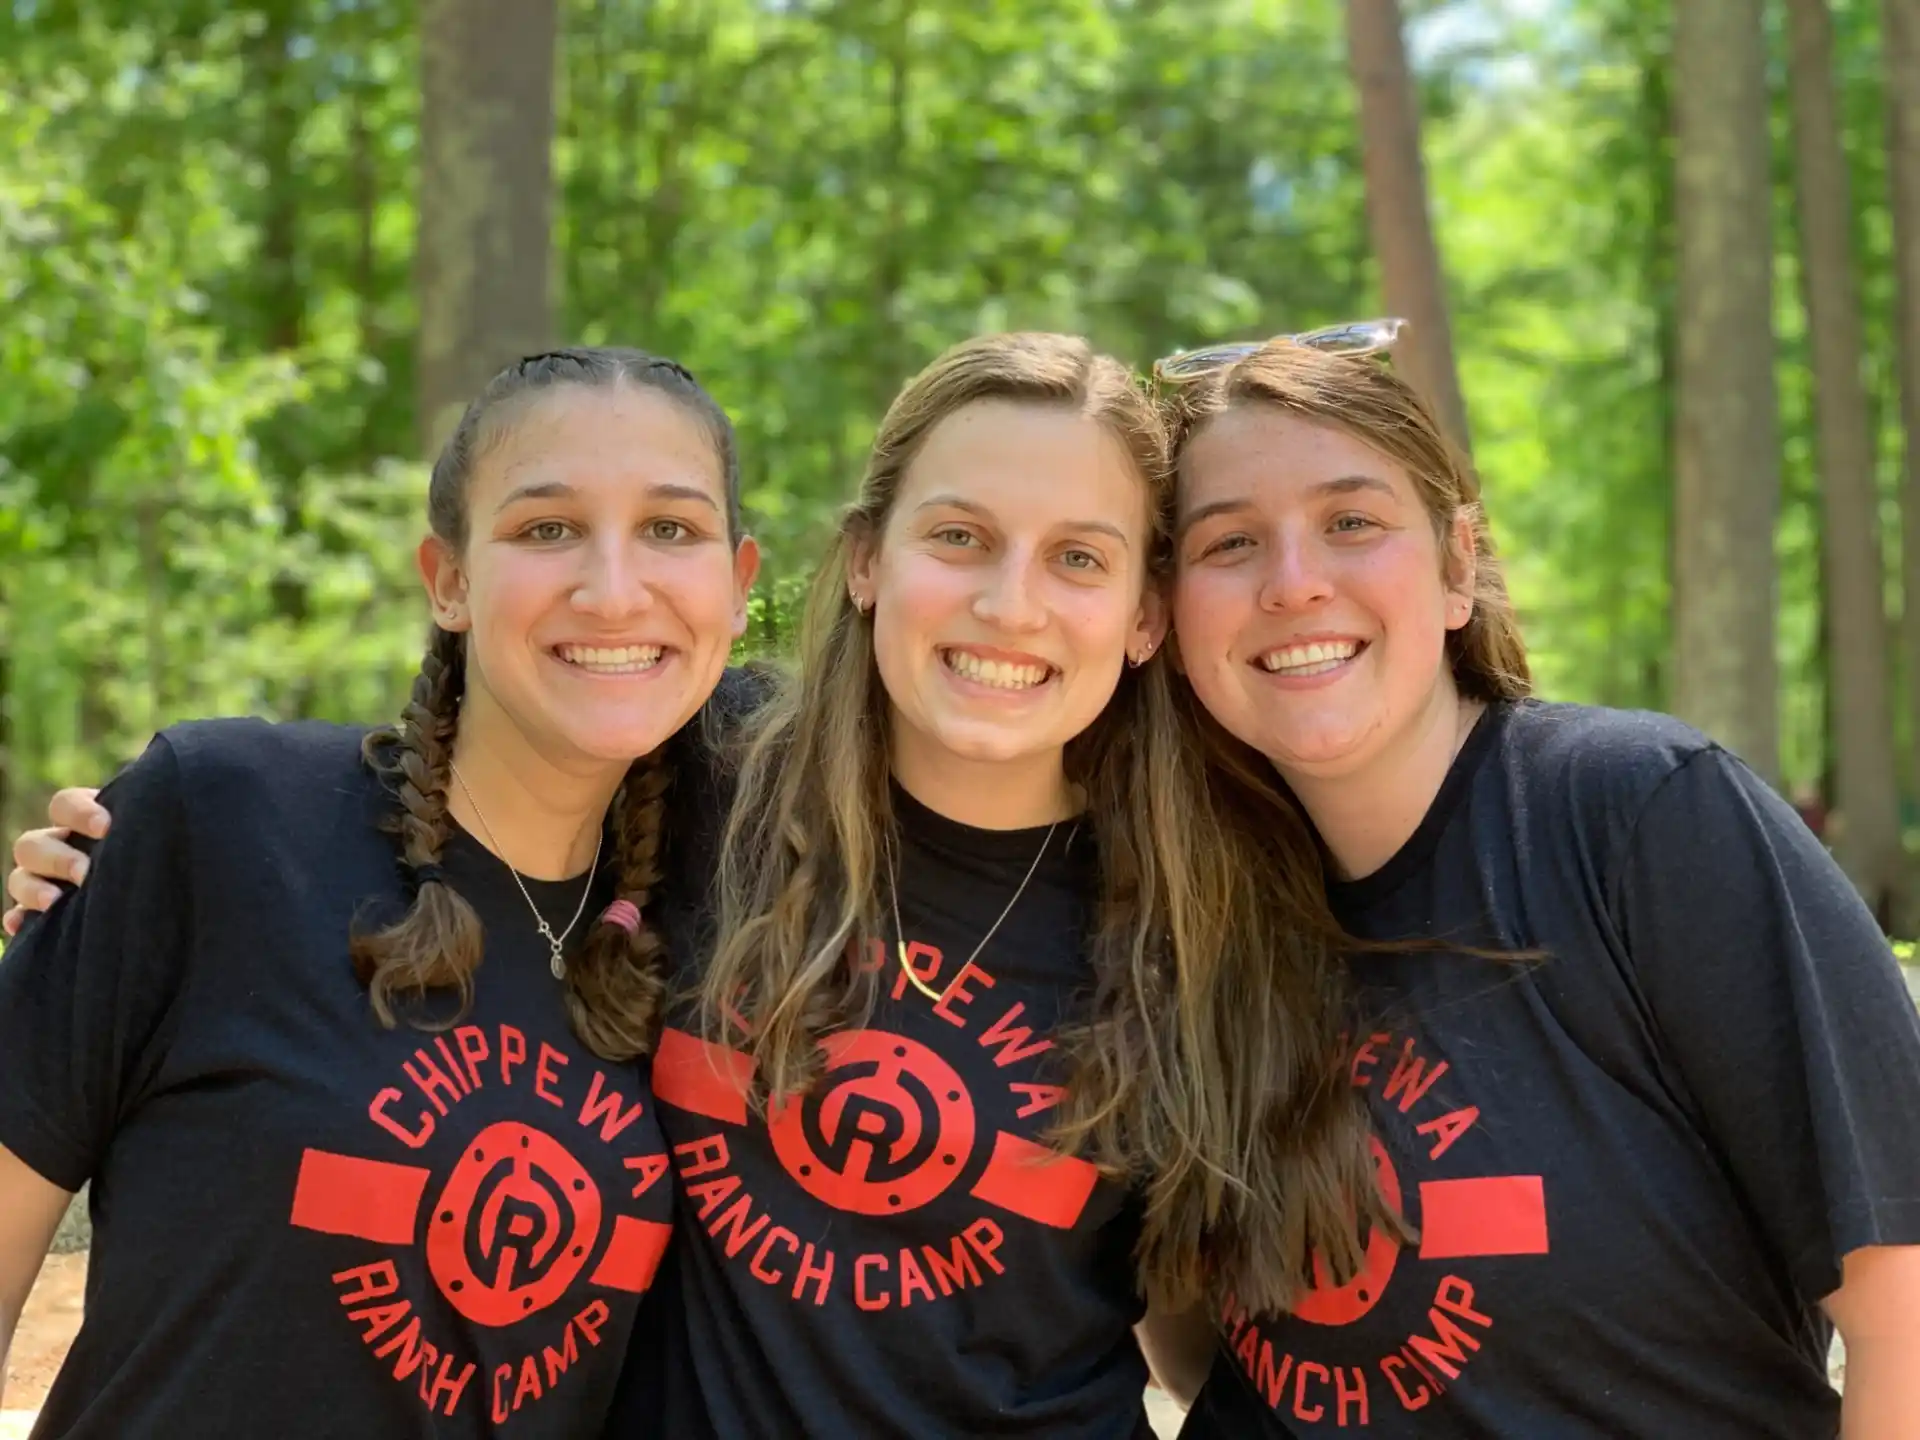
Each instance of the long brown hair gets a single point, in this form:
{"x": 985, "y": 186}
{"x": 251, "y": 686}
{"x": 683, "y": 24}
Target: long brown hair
{"x": 1235, "y": 1129}
{"x": 1488, "y": 661}
{"x": 1363, "y": 397}
{"x": 614, "y": 987}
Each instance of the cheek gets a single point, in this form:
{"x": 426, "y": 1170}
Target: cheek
{"x": 913, "y": 592}
{"x": 507, "y": 592}
{"x": 699, "y": 587}
{"x": 1208, "y": 606}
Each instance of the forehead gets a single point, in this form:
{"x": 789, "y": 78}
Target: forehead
{"x": 1265, "y": 451}
{"x": 1028, "y": 463}
{"x": 605, "y": 438}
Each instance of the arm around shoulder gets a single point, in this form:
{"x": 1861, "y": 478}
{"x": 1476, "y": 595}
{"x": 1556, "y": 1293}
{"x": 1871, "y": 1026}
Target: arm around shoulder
{"x": 87, "y": 993}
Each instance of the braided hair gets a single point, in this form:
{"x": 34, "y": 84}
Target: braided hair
{"x": 615, "y": 986}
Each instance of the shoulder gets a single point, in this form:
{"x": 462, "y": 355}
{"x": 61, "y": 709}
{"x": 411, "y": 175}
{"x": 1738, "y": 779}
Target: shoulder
{"x": 742, "y": 690}
{"x": 290, "y": 765}
{"x": 1595, "y": 760}
{"x": 1635, "y": 789}
{"x": 248, "y": 745}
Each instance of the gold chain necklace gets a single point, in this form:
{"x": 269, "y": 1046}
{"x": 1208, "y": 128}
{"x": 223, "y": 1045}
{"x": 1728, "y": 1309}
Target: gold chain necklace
{"x": 900, "y": 931}
{"x": 558, "y": 962}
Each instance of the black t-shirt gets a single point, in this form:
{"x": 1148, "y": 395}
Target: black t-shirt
{"x": 1634, "y": 1165}
{"x": 899, "y": 1254}
{"x": 305, "y": 1223}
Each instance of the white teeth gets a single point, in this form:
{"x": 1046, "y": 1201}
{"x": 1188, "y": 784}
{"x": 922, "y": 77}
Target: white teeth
{"x": 1314, "y": 659}
{"x": 624, "y": 660}
{"x": 1000, "y": 674}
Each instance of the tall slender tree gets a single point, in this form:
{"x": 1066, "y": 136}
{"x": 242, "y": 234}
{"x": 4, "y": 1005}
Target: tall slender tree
{"x": 1900, "y": 42}
{"x": 1727, "y": 460}
{"x": 1397, "y": 207}
{"x": 1866, "y": 784}
{"x": 486, "y": 142}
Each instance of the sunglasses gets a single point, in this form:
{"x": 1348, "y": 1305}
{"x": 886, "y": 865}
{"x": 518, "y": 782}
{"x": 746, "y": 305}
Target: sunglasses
{"x": 1357, "y": 337}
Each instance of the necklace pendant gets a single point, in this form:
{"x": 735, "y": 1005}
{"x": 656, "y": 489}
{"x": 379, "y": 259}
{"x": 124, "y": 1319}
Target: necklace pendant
{"x": 558, "y": 963}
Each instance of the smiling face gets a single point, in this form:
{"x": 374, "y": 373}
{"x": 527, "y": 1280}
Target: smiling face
{"x": 598, "y": 584}
{"x": 1008, "y": 583}
{"x": 1313, "y": 600}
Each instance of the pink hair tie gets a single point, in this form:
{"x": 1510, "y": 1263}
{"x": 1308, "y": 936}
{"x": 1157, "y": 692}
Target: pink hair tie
{"x": 623, "y": 913}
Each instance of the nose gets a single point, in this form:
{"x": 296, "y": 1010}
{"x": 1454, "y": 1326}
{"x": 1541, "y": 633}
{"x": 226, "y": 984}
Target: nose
{"x": 613, "y": 583}
{"x": 1296, "y": 578}
{"x": 1008, "y": 600}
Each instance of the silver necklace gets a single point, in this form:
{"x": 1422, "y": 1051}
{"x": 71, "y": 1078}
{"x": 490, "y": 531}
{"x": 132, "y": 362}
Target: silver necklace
{"x": 900, "y": 931}
{"x": 558, "y": 964}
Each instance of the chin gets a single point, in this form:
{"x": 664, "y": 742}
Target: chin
{"x": 1316, "y": 752}
{"x": 987, "y": 745}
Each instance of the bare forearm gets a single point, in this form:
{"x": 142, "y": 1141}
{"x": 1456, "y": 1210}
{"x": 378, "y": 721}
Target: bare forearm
{"x": 1883, "y": 1390}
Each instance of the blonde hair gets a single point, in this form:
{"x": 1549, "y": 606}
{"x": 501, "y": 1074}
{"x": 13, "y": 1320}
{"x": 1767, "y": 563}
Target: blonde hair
{"x": 1187, "y": 1073}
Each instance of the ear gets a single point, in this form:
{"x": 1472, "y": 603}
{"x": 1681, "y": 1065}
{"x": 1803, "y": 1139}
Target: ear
{"x": 1149, "y": 625}
{"x": 1462, "y": 568}
{"x": 862, "y": 556}
{"x": 446, "y": 583}
{"x": 746, "y": 566}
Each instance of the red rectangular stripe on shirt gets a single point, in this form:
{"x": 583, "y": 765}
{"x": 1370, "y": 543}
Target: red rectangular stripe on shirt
{"x": 345, "y": 1195}
{"x": 1493, "y": 1215}
{"x": 694, "y": 1074}
{"x": 633, "y": 1254}
{"x": 1036, "y": 1182}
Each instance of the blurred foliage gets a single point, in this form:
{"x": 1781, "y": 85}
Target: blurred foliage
{"x": 207, "y": 501}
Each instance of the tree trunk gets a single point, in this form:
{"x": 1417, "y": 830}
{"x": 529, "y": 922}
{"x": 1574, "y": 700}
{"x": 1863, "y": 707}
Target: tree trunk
{"x": 1396, "y": 181}
{"x": 1727, "y": 460}
{"x": 486, "y": 153}
{"x": 1900, "y": 41}
{"x": 9, "y": 762}
{"x": 1866, "y": 839}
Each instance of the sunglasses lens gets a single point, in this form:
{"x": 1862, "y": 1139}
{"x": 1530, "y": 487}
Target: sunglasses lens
{"x": 1360, "y": 338}
{"x": 1192, "y": 364}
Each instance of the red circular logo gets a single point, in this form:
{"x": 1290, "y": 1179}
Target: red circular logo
{"x": 1329, "y": 1304}
{"x": 514, "y": 1225}
{"x": 886, "y": 1130}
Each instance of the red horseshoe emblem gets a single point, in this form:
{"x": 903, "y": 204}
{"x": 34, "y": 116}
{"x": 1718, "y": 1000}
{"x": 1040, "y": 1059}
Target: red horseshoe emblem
{"x": 514, "y": 1225}
{"x": 888, "y": 1128}
{"x": 1329, "y": 1304}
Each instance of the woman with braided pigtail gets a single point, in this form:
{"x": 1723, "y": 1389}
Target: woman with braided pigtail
{"x": 347, "y": 1029}
{"x": 963, "y": 989}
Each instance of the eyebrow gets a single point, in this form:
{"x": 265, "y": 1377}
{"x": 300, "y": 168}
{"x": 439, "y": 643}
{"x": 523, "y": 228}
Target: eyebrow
{"x": 956, "y": 502}
{"x": 559, "y": 489}
{"x": 1340, "y": 485}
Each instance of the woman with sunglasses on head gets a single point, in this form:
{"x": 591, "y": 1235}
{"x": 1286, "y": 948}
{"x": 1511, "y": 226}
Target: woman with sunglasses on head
{"x": 1645, "y": 1079}
{"x": 974, "y": 908}
{"x": 342, "y": 1027}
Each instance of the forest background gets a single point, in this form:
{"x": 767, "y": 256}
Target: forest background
{"x": 1662, "y": 259}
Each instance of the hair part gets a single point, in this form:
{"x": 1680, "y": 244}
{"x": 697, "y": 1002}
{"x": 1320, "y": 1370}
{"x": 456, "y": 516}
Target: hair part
{"x": 1252, "y": 1149}
{"x": 615, "y": 984}
{"x": 1365, "y": 398}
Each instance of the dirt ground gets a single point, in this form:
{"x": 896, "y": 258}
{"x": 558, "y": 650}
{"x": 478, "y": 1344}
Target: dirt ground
{"x": 45, "y": 1331}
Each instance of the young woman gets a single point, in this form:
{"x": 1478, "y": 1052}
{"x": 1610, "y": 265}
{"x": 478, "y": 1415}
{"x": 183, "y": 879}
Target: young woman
{"x": 342, "y": 1027}
{"x": 1648, "y": 1090}
{"x": 969, "y": 915}
{"x": 974, "y": 910}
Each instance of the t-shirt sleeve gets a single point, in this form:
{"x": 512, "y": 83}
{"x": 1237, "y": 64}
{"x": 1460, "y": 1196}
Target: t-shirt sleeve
{"x": 89, "y": 990}
{"x": 1781, "y": 1008}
